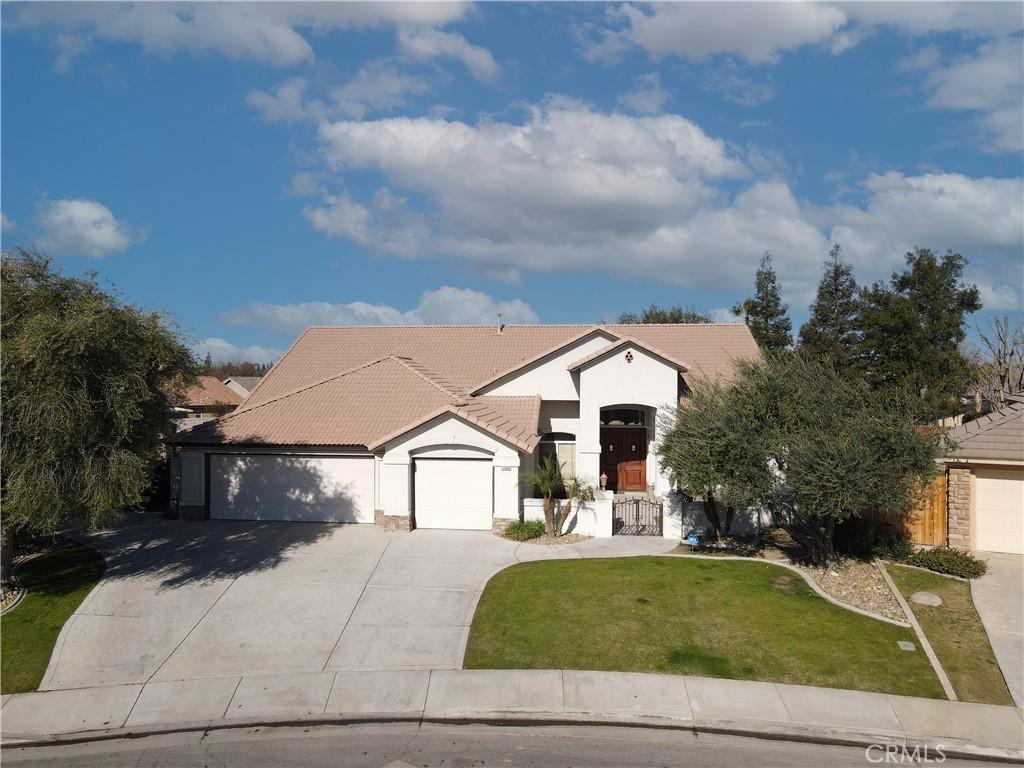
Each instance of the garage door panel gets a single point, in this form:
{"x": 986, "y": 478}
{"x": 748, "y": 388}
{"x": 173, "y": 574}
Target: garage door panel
{"x": 300, "y": 488}
{"x": 999, "y": 510}
{"x": 454, "y": 493}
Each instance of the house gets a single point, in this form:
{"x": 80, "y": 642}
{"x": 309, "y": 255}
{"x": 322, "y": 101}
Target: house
{"x": 432, "y": 426}
{"x": 242, "y": 385}
{"x": 206, "y": 399}
{"x": 985, "y": 481}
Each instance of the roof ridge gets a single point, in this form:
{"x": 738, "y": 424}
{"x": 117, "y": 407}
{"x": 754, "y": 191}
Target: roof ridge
{"x": 419, "y": 369}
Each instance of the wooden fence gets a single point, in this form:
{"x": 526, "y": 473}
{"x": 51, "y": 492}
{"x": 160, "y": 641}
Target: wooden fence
{"x": 927, "y": 523}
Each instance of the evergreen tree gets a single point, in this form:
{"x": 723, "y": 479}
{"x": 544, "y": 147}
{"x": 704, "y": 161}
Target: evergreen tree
{"x": 912, "y": 330}
{"x": 765, "y": 313}
{"x": 208, "y": 363}
{"x": 831, "y": 331}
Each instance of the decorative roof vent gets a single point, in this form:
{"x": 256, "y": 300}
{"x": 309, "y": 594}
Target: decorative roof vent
{"x": 629, "y": 356}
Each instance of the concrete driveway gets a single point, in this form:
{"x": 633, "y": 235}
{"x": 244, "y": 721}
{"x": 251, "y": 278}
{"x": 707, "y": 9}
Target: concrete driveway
{"x": 999, "y": 598}
{"x": 209, "y": 599}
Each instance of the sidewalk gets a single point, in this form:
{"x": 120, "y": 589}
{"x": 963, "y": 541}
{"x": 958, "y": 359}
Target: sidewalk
{"x": 765, "y": 710}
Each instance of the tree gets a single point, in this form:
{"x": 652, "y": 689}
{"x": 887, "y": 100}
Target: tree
{"x": 655, "y": 314}
{"x": 912, "y": 330}
{"x": 1001, "y": 372}
{"x": 208, "y": 363}
{"x": 832, "y": 330}
{"x": 547, "y": 479}
{"x": 794, "y": 435}
{"x": 86, "y": 383}
{"x": 765, "y": 313}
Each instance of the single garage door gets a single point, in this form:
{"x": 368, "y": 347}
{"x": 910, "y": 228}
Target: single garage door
{"x": 999, "y": 509}
{"x": 333, "y": 489}
{"x": 454, "y": 493}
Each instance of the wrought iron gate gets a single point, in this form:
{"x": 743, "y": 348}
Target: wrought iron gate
{"x": 636, "y": 517}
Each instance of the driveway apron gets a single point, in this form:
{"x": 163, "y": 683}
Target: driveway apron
{"x": 999, "y": 598}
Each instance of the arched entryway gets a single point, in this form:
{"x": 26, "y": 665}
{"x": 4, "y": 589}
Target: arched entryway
{"x": 625, "y": 438}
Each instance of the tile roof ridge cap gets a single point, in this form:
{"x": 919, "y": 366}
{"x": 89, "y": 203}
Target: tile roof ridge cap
{"x": 276, "y": 363}
{"x": 418, "y": 369}
{"x": 305, "y": 387}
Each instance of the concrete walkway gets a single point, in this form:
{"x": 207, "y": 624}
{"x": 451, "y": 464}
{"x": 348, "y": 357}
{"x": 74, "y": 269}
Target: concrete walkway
{"x": 999, "y": 598}
{"x": 182, "y": 601}
{"x": 536, "y": 696}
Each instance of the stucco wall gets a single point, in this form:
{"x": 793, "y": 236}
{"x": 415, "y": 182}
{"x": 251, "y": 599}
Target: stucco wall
{"x": 613, "y": 380}
{"x": 550, "y": 377}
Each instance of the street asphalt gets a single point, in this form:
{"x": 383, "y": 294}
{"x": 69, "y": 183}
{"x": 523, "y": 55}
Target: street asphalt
{"x": 428, "y": 745}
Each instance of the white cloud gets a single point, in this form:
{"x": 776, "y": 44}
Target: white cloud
{"x": 757, "y": 32}
{"x": 268, "y": 33}
{"x": 760, "y": 32}
{"x": 921, "y": 60}
{"x": 376, "y": 87}
{"x": 722, "y": 315}
{"x": 7, "y": 224}
{"x": 424, "y": 44}
{"x": 443, "y": 306}
{"x": 570, "y": 188}
{"x": 223, "y": 351}
{"x": 81, "y": 226}
{"x": 648, "y": 97}
{"x": 69, "y": 48}
{"x": 287, "y": 102}
{"x": 304, "y": 184}
{"x": 991, "y": 83}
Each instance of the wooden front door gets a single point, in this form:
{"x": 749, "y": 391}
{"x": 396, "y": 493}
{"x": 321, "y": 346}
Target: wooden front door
{"x": 624, "y": 458}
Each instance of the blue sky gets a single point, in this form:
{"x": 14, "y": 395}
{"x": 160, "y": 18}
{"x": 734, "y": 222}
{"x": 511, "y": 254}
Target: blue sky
{"x": 255, "y": 168}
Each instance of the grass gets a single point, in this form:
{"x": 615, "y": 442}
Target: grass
{"x": 57, "y": 582}
{"x": 956, "y": 634}
{"x": 743, "y": 620}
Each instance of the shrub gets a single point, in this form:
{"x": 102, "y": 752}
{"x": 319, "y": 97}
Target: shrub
{"x": 896, "y": 548}
{"x": 521, "y": 530}
{"x": 953, "y": 562}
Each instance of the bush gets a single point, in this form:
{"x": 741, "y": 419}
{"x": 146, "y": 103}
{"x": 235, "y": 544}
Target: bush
{"x": 521, "y": 530}
{"x": 953, "y": 562}
{"x": 896, "y": 548}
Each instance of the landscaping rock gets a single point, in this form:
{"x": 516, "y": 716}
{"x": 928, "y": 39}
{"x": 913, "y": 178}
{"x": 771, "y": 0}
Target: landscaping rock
{"x": 859, "y": 584}
{"x": 926, "y": 598}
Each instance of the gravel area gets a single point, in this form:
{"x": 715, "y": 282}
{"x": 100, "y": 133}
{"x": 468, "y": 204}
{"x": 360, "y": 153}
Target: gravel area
{"x": 548, "y": 539}
{"x": 9, "y": 597}
{"x": 859, "y": 584}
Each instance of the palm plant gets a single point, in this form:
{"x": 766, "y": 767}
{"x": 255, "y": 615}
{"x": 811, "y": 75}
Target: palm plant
{"x": 574, "y": 489}
{"x": 547, "y": 479}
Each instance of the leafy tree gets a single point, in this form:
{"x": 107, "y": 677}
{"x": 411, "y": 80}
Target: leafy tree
{"x": 794, "y": 435}
{"x": 655, "y": 314}
{"x": 86, "y": 382}
{"x": 238, "y": 368}
{"x": 765, "y": 313}
{"x": 912, "y": 330}
{"x": 832, "y": 330}
{"x": 208, "y": 363}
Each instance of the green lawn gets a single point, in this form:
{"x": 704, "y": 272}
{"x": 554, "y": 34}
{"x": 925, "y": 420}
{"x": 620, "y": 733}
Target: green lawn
{"x": 57, "y": 582}
{"x": 956, "y": 634}
{"x": 745, "y": 620}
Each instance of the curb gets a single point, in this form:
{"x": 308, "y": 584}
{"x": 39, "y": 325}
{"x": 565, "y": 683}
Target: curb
{"x": 770, "y": 732}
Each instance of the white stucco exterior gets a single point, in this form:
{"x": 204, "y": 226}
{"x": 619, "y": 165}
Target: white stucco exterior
{"x": 572, "y": 394}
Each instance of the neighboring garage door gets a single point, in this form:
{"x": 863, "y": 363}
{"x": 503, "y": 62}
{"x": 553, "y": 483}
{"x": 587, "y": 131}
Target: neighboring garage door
{"x": 454, "y": 493}
{"x": 333, "y": 489}
{"x": 999, "y": 509}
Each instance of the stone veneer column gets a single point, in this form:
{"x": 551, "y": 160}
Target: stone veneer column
{"x": 959, "y": 504}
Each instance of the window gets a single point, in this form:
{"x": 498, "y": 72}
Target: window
{"x": 623, "y": 417}
{"x": 561, "y": 447}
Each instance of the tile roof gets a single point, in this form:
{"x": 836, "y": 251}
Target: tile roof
{"x": 363, "y": 407}
{"x": 209, "y": 390}
{"x": 998, "y": 435}
{"x": 469, "y": 356}
{"x": 362, "y": 386}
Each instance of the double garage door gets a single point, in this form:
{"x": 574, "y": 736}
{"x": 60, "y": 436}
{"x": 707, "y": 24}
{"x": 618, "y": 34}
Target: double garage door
{"x": 334, "y": 489}
{"x": 999, "y": 509}
{"x": 448, "y": 493}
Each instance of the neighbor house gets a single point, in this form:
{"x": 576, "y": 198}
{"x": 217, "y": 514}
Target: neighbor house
{"x": 242, "y": 385}
{"x": 432, "y": 426}
{"x": 985, "y": 481}
{"x": 208, "y": 398}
